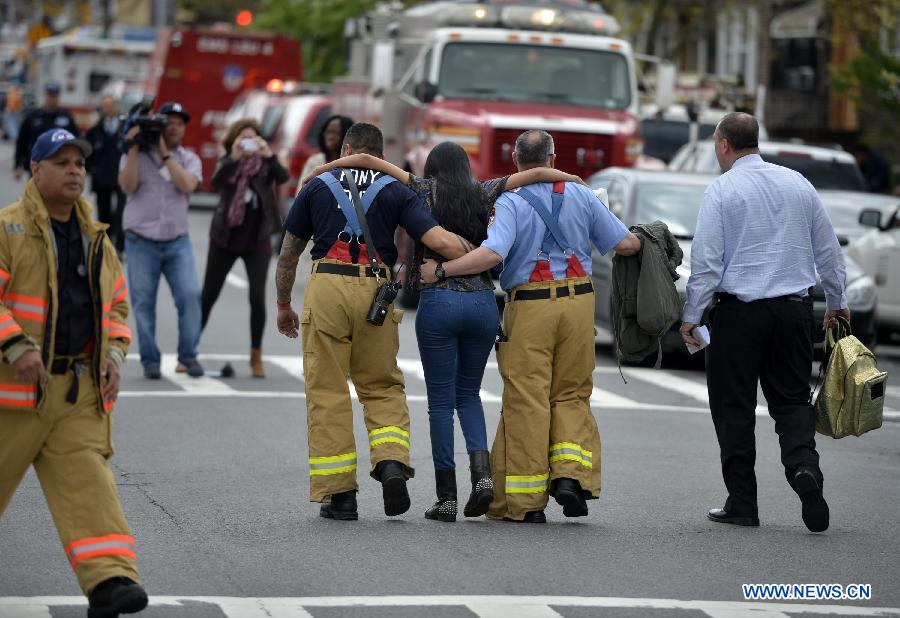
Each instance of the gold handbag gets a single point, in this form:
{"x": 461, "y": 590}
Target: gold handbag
{"x": 851, "y": 401}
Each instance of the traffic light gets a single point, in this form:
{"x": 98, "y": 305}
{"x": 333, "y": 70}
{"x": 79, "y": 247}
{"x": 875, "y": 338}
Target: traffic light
{"x": 244, "y": 18}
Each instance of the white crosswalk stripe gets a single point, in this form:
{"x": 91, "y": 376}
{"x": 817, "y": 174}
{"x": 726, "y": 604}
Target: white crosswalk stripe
{"x": 482, "y": 606}
{"x": 197, "y": 386}
{"x": 687, "y": 389}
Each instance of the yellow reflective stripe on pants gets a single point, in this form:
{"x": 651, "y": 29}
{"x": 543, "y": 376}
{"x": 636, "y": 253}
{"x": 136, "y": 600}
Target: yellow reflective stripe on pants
{"x": 572, "y": 452}
{"x": 527, "y": 484}
{"x": 384, "y": 435}
{"x": 338, "y": 464}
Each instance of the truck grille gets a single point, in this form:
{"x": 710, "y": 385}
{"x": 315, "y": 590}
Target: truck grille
{"x": 576, "y": 153}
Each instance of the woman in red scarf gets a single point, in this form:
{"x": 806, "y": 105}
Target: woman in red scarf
{"x": 247, "y": 216}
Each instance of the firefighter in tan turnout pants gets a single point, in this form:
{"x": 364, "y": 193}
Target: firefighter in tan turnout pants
{"x": 63, "y": 336}
{"x": 547, "y": 442}
{"x": 338, "y": 341}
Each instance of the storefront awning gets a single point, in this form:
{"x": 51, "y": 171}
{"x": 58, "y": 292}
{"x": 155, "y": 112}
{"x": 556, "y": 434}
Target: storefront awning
{"x": 799, "y": 23}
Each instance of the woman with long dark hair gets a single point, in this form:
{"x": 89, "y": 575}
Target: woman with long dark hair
{"x": 457, "y": 317}
{"x": 331, "y": 137}
{"x": 243, "y": 224}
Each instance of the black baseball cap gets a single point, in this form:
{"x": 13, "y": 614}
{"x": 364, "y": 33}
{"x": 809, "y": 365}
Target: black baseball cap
{"x": 171, "y": 107}
{"x": 52, "y": 87}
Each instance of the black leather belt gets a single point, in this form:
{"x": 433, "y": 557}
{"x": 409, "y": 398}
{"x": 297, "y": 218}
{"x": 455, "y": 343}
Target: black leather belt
{"x": 726, "y": 297}
{"x": 66, "y": 363}
{"x": 76, "y": 366}
{"x": 544, "y": 293}
{"x": 348, "y": 270}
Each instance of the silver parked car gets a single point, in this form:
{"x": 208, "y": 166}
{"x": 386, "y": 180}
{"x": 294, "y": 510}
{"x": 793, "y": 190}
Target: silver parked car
{"x": 643, "y": 196}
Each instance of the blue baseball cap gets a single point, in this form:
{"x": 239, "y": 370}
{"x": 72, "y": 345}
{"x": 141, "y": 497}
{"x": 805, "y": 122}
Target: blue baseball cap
{"x": 49, "y": 143}
{"x": 171, "y": 107}
{"x": 53, "y": 87}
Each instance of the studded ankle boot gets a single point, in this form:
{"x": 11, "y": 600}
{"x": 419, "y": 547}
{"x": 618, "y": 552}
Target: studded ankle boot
{"x": 482, "y": 484}
{"x": 445, "y": 507}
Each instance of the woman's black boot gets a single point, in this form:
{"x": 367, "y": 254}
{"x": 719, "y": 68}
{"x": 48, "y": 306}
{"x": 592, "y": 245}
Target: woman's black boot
{"x": 482, "y": 484}
{"x": 445, "y": 507}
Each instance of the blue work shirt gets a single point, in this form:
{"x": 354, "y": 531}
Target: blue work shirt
{"x": 517, "y": 231}
{"x": 762, "y": 232}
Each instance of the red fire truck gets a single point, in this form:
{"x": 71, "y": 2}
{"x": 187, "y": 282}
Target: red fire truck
{"x": 481, "y": 73}
{"x": 205, "y": 70}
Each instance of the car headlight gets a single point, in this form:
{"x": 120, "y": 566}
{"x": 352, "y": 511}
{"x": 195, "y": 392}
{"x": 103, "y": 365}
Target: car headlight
{"x": 861, "y": 294}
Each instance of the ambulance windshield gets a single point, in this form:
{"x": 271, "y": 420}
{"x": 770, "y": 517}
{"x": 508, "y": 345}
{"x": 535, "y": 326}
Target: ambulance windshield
{"x": 537, "y": 73}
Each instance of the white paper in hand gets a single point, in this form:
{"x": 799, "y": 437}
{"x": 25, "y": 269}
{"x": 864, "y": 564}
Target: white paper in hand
{"x": 701, "y": 334}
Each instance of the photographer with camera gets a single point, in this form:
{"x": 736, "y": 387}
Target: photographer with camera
{"x": 158, "y": 175}
{"x": 349, "y": 324}
{"x": 242, "y": 227}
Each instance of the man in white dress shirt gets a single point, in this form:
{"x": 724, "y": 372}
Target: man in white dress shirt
{"x": 762, "y": 234}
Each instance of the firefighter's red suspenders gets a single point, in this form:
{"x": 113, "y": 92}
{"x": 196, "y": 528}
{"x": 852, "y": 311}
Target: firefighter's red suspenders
{"x": 340, "y": 250}
{"x": 542, "y": 270}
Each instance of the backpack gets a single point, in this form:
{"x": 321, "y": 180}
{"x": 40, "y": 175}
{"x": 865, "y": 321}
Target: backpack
{"x": 851, "y": 401}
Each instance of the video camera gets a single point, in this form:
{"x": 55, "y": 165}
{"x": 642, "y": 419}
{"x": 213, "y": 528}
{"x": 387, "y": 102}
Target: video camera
{"x": 151, "y": 126}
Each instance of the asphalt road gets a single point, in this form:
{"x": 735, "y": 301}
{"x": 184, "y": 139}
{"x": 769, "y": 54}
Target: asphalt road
{"x": 213, "y": 479}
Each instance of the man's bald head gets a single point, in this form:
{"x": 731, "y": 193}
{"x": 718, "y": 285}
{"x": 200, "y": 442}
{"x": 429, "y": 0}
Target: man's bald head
{"x": 741, "y": 130}
{"x": 534, "y": 149}
{"x": 736, "y": 136}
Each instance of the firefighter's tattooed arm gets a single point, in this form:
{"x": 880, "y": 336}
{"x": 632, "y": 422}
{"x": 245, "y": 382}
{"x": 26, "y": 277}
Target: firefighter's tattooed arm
{"x": 286, "y": 270}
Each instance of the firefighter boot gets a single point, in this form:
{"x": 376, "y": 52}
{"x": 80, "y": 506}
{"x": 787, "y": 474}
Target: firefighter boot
{"x": 114, "y": 596}
{"x": 482, "y": 484}
{"x": 568, "y": 494}
{"x": 340, "y": 506}
{"x": 256, "y": 364}
{"x": 393, "y": 487}
{"x": 445, "y": 507}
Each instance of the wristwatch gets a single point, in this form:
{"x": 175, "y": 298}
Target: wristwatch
{"x": 439, "y": 271}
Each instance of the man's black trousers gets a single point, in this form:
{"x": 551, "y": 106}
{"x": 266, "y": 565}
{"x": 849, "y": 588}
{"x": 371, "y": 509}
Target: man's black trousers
{"x": 769, "y": 342}
{"x": 106, "y": 214}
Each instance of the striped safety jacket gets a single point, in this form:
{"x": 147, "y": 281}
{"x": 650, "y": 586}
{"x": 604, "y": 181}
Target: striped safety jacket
{"x": 29, "y": 295}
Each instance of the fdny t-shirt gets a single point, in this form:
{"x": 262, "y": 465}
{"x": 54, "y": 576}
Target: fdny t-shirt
{"x": 316, "y": 214}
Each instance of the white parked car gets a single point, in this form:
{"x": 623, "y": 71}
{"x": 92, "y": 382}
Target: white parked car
{"x": 878, "y": 253}
{"x": 845, "y": 208}
{"x": 824, "y": 168}
{"x": 665, "y": 131}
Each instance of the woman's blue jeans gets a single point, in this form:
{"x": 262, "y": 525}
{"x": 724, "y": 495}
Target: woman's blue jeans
{"x": 455, "y": 331}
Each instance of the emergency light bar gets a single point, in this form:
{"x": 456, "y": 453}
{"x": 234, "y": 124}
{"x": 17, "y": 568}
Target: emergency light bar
{"x": 558, "y": 20}
{"x": 550, "y": 18}
{"x": 290, "y": 86}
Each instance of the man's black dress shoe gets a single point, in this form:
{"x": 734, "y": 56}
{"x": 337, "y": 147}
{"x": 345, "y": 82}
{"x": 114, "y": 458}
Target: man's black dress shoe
{"x": 722, "y": 516}
{"x": 531, "y": 517}
{"x": 568, "y": 493}
{"x": 114, "y": 596}
{"x": 815, "y": 509}
{"x": 341, "y": 506}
